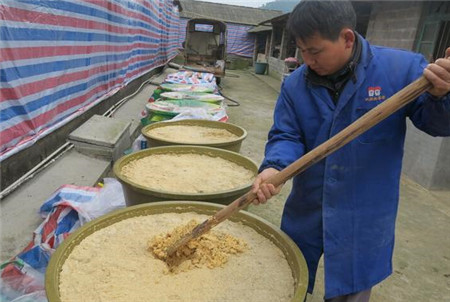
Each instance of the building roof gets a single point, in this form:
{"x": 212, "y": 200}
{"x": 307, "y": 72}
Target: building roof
{"x": 266, "y": 25}
{"x": 362, "y": 9}
{"x": 279, "y": 19}
{"x": 259, "y": 28}
{"x": 224, "y": 12}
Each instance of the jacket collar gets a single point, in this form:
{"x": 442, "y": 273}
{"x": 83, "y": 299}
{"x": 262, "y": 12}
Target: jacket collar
{"x": 360, "y": 72}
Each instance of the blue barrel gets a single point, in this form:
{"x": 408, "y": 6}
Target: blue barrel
{"x": 260, "y": 68}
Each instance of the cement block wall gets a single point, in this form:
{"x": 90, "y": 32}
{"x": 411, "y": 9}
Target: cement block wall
{"x": 234, "y": 62}
{"x": 421, "y": 156}
{"x": 426, "y": 158}
{"x": 276, "y": 67}
{"x": 441, "y": 176}
{"x": 394, "y": 23}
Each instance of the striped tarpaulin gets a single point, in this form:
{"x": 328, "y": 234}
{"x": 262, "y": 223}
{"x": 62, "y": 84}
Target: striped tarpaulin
{"x": 182, "y": 31}
{"x": 239, "y": 41}
{"x": 23, "y": 275}
{"x": 59, "y": 58}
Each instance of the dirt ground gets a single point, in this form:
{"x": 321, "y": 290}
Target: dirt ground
{"x": 422, "y": 251}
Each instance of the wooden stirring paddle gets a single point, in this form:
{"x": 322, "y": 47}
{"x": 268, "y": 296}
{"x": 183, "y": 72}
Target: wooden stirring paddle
{"x": 365, "y": 122}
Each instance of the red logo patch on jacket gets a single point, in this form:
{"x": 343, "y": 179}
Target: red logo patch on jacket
{"x": 374, "y": 94}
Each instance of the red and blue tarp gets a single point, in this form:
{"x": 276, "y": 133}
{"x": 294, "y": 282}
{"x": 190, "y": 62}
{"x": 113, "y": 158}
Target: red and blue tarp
{"x": 24, "y": 274}
{"x": 239, "y": 41}
{"x": 69, "y": 207}
{"x": 59, "y": 58}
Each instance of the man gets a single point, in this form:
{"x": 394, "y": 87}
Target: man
{"x": 345, "y": 206}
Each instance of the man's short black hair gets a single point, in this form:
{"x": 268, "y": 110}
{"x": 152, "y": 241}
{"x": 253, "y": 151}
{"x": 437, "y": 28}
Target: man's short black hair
{"x": 325, "y": 17}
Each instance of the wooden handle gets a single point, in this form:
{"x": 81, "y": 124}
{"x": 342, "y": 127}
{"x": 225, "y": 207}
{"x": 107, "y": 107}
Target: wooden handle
{"x": 361, "y": 125}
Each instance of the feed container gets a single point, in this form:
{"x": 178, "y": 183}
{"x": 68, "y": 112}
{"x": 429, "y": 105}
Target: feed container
{"x": 290, "y": 250}
{"x": 232, "y": 145}
{"x": 137, "y": 194}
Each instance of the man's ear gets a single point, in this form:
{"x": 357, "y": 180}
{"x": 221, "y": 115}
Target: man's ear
{"x": 349, "y": 37}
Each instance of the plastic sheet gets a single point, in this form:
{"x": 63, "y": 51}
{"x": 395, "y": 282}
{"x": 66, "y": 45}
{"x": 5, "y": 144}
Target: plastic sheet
{"x": 22, "y": 277}
{"x": 191, "y": 77}
{"x": 59, "y": 58}
{"x": 239, "y": 41}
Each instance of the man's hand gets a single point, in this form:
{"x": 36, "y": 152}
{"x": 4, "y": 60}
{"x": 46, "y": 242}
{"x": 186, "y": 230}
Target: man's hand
{"x": 438, "y": 73}
{"x": 264, "y": 191}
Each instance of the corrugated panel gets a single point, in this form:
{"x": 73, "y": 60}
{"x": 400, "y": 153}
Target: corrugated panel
{"x": 59, "y": 58}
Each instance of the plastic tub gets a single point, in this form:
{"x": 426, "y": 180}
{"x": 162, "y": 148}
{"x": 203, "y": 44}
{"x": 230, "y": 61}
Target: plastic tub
{"x": 233, "y": 145}
{"x": 137, "y": 194}
{"x": 280, "y": 239}
{"x": 260, "y": 68}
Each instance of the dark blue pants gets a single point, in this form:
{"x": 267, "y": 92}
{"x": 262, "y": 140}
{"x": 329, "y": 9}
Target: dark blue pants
{"x": 363, "y": 296}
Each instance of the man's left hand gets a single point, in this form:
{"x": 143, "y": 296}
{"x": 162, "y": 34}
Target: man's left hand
{"x": 438, "y": 73}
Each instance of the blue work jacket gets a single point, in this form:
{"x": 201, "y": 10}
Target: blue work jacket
{"x": 345, "y": 206}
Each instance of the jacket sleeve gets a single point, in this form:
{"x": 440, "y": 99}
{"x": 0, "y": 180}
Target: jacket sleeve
{"x": 428, "y": 113}
{"x": 285, "y": 142}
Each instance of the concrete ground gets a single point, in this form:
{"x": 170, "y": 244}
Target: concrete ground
{"x": 422, "y": 252}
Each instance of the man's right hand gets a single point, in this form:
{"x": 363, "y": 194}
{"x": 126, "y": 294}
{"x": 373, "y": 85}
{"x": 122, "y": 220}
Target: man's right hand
{"x": 264, "y": 191}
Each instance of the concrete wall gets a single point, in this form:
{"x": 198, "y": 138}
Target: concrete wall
{"x": 421, "y": 154}
{"x": 276, "y": 67}
{"x": 15, "y": 166}
{"x": 394, "y": 24}
{"x": 441, "y": 176}
{"x": 237, "y": 62}
{"x": 426, "y": 159}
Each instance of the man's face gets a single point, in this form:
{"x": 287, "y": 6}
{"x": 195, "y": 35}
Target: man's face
{"x": 324, "y": 56}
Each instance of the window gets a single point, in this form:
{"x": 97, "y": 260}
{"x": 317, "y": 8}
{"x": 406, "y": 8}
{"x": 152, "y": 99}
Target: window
{"x": 434, "y": 35}
{"x": 427, "y": 40}
{"x": 204, "y": 27}
{"x": 443, "y": 40}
